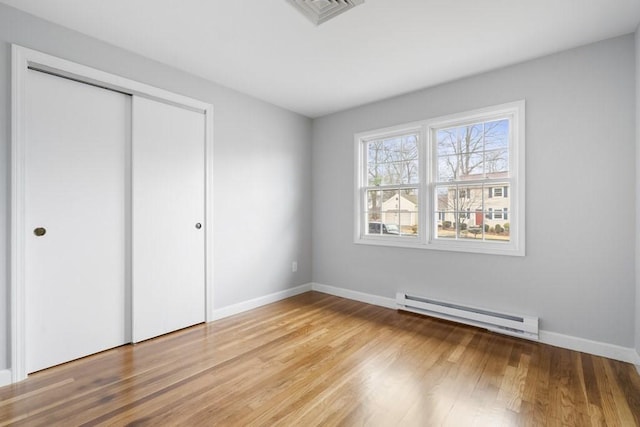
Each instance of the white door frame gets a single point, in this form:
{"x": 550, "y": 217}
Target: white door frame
{"x": 22, "y": 60}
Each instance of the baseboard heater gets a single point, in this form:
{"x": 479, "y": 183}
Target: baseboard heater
{"x": 505, "y": 323}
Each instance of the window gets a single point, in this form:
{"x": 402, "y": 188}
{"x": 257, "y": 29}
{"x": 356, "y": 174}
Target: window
{"x": 452, "y": 183}
{"x": 392, "y": 183}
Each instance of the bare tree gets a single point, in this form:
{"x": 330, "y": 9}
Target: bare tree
{"x": 472, "y": 150}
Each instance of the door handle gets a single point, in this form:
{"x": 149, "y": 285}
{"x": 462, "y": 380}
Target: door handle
{"x": 198, "y": 225}
{"x": 40, "y": 231}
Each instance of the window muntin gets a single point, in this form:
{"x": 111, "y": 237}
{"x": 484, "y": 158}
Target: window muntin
{"x": 461, "y": 177}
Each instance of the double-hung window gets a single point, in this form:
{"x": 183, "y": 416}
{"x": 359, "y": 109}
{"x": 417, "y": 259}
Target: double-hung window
{"x": 452, "y": 183}
{"x": 391, "y": 185}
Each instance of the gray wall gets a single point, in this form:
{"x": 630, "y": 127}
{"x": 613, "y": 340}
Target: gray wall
{"x": 638, "y": 189}
{"x": 262, "y": 157}
{"x": 578, "y": 274}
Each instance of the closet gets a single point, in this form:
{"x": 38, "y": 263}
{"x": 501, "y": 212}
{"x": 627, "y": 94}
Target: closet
{"x": 113, "y": 217}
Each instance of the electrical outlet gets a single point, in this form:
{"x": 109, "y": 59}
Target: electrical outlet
{"x": 294, "y": 266}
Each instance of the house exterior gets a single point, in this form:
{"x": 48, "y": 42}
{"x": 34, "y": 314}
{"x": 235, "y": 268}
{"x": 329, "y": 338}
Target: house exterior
{"x": 474, "y": 207}
{"x": 401, "y": 209}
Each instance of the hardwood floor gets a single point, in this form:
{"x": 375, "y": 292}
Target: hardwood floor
{"x": 316, "y": 359}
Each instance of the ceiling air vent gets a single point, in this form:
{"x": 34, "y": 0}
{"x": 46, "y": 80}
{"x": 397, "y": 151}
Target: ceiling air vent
{"x": 319, "y": 11}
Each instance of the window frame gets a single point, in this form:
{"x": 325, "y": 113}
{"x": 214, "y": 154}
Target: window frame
{"x": 362, "y": 186}
{"x": 427, "y": 203}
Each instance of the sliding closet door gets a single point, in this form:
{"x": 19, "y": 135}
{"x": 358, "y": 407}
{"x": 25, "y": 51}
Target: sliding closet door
{"x": 168, "y": 218}
{"x": 75, "y": 217}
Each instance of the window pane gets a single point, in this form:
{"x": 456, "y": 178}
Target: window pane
{"x": 409, "y": 199}
{"x": 472, "y": 166}
{"x": 374, "y": 201}
{"x": 496, "y": 146}
{"x": 446, "y": 198}
{"x": 496, "y": 162}
{"x": 374, "y": 225}
{"x": 471, "y": 151}
{"x": 470, "y": 198}
{"x": 497, "y": 200}
{"x": 498, "y": 230}
{"x": 410, "y": 172}
{"x": 408, "y": 211}
{"x": 393, "y": 161}
{"x": 474, "y": 232}
{"x": 374, "y": 212}
{"x": 375, "y": 171}
{"x": 447, "y": 141}
{"x": 461, "y": 198}
{"x": 399, "y": 214}
{"x": 447, "y": 168}
{"x": 460, "y": 152}
{"x": 497, "y": 212}
{"x": 446, "y": 225}
{"x": 409, "y": 223}
{"x": 461, "y": 166}
{"x": 496, "y": 135}
{"x": 390, "y": 200}
{"x": 464, "y": 139}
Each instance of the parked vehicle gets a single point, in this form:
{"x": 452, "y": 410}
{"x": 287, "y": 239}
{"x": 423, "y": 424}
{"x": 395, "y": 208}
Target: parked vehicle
{"x": 381, "y": 228}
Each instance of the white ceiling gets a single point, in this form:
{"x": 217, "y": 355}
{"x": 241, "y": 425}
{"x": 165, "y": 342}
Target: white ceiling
{"x": 379, "y": 49}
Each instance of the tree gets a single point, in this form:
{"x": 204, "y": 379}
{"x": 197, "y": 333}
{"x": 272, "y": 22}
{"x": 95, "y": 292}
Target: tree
{"x": 477, "y": 149}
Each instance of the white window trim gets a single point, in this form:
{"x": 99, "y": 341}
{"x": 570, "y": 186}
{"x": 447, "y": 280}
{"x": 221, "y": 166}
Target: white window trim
{"x": 360, "y": 235}
{"x": 426, "y": 238}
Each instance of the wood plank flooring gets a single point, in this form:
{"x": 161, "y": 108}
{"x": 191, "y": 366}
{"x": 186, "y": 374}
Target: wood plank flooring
{"x": 316, "y": 359}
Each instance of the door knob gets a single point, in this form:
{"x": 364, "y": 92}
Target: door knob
{"x": 198, "y": 225}
{"x": 40, "y": 231}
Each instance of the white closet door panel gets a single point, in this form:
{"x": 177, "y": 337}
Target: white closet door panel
{"x": 75, "y": 280}
{"x": 168, "y": 201}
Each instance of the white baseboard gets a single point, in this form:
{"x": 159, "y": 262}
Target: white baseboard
{"x": 597, "y": 348}
{"x": 355, "y": 295}
{"x": 241, "y": 307}
{"x": 5, "y": 377}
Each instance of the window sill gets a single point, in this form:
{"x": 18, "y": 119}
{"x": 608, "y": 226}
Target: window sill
{"x": 485, "y": 248}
